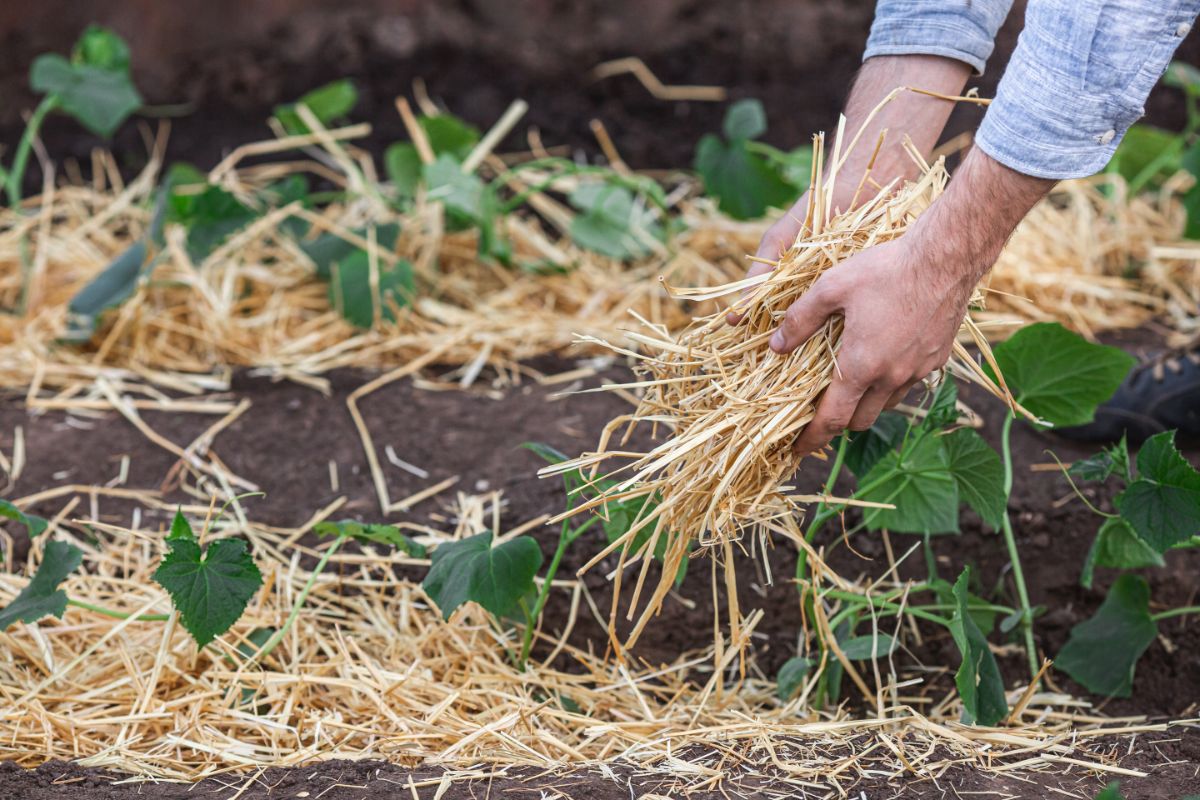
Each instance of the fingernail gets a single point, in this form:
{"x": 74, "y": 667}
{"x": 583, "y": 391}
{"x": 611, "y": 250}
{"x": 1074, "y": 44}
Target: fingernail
{"x": 777, "y": 341}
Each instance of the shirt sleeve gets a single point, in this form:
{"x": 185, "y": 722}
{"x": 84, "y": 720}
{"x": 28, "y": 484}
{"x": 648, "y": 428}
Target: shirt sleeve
{"x": 961, "y": 29}
{"x": 1078, "y": 79}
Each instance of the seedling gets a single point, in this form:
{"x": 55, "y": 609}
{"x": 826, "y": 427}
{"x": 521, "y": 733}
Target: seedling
{"x": 1158, "y": 510}
{"x": 745, "y": 176}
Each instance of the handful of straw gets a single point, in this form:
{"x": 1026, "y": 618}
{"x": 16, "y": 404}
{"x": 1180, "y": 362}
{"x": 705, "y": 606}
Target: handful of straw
{"x": 733, "y": 406}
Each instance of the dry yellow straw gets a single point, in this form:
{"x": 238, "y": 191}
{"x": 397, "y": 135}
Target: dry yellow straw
{"x": 735, "y": 407}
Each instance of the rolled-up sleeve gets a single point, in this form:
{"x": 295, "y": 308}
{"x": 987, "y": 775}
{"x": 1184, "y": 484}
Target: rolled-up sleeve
{"x": 1078, "y": 79}
{"x": 961, "y": 29}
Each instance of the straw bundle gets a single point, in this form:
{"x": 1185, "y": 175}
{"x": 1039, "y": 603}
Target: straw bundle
{"x": 733, "y": 406}
{"x": 370, "y": 670}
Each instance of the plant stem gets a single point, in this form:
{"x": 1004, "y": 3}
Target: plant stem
{"x": 16, "y": 176}
{"x": 823, "y": 512}
{"x": 1014, "y": 556}
{"x": 565, "y": 537}
{"x": 923, "y": 611}
{"x": 1175, "y": 612}
{"x": 277, "y": 637}
{"x": 108, "y": 612}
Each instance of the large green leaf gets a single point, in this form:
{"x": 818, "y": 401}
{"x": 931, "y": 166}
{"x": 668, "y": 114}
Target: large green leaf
{"x": 865, "y": 448}
{"x": 114, "y": 285}
{"x": 917, "y": 480}
{"x": 328, "y": 103}
{"x": 34, "y": 525}
{"x": 460, "y": 193}
{"x": 980, "y": 685}
{"x": 1163, "y": 504}
{"x": 41, "y": 597}
{"x": 744, "y": 182}
{"x": 99, "y": 98}
{"x": 791, "y": 677}
{"x": 1102, "y": 652}
{"x": 611, "y": 223}
{"x": 209, "y": 587}
{"x": 978, "y": 472}
{"x": 1058, "y": 375}
{"x": 351, "y": 292}
{"x": 472, "y": 570}
{"x": 1117, "y": 545}
{"x": 371, "y": 533}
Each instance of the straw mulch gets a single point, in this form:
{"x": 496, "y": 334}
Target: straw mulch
{"x": 370, "y": 670}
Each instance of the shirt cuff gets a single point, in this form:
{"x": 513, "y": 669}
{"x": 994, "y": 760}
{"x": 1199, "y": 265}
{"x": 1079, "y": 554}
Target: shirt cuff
{"x": 1042, "y": 125}
{"x": 905, "y": 27}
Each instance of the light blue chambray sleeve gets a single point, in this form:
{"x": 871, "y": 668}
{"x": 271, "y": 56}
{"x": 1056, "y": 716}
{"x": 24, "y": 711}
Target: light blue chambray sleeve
{"x": 1078, "y": 79}
{"x": 961, "y": 29}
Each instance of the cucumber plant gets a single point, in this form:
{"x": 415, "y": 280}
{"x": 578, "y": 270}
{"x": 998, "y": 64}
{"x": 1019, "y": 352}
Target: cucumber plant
{"x": 1156, "y": 511}
{"x": 928, "y": 467}
{"x": 746, "y": 176}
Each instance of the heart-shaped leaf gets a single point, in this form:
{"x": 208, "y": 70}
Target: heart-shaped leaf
{"x": 209, "y": 587}
{"x": 1102, "y": 652}
{"x": 1058, "y": 375}
{"x": 1118, "y": 545}
{"x": 99, "y": 98}
{"x": 351, "y": 291}
{"x": 1163, "y": 504}
{"x": 864, "y": 449}
{"x": 472, "y": 570}
{"x": 34, "y": 525}
{"x": 978, "y": 473}
{"x": 918, "y": 481}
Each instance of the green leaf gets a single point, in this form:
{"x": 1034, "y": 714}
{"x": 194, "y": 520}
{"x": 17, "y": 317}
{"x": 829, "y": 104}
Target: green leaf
{"x": 1058, "y": 375}
{"x": 794, "y": 166}
{"x": 1111, "y": 792}
{"x": 980, "y": 685}
{"x": 745, "y": 119}
{"x": 100, "y": 47}
{"x": 1163, "y": 504}
{"x": 791, "y": 677}
{"x": 329, "y": 249}
{"x": 979, "y": 474}
{"x": 402, "y": 164}
{"x": 460, "y": 193}
{"x": 1112, "y": 460}
{"x": 41, "y": 597}
{"x": 34, "y": 525}
{"x": 1118, "y": 545}
{"x": 1102, "y": 652}
{"x": 611, "y": 224}
{"x": 330, "y": 102}
{"x": 371, "y": 533}
{"x": 943, "y": 410}
{"x": 351, "y": 293}
{"x": 114, "y": 285}
{"x": 209, "y": 213}
{"x": 98, "y": 98}
{"x": 918, "y": 482}
{"x": 744, "y": 183}
{"x": 209, "y": 587}
{"x": 865, "y": 448}
{"x": 450, "y": 135}
{"x": 865, "y": 648}
{"x": 472, "y": 570}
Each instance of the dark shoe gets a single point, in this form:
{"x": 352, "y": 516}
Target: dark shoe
{"x": 1158, "y": 395}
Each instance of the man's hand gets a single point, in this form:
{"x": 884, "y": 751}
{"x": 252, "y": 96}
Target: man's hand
{"x": 903, "y": 301}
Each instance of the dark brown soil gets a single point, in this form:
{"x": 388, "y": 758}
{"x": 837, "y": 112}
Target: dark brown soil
{"x": 287, "y": 438}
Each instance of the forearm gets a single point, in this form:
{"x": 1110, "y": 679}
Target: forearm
{"x": 918, "y": 117}
{"x": 963, "y": 232}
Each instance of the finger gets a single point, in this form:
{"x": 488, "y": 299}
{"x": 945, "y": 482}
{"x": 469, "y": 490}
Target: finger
{"x": 834, "y": 412}
{"x": 774, "y": 243}
{"x": 806, "y": 316}
{"x": 899, "y": 395}
{"x": 869, "y": 408}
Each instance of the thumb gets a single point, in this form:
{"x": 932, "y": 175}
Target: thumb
{"x": 806, "y": 316}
